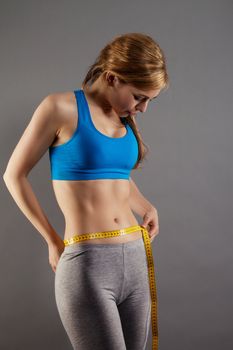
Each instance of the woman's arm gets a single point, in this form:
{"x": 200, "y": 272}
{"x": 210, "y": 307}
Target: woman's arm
{"x": 138, "y": 203}
{"x": 34, "y": 142}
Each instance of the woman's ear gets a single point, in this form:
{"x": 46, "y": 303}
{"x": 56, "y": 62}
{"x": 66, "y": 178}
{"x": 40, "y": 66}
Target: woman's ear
{"x": 111, "y": 78}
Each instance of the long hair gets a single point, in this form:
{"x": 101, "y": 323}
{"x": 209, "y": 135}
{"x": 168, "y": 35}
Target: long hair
{"x": 138, "y": 60}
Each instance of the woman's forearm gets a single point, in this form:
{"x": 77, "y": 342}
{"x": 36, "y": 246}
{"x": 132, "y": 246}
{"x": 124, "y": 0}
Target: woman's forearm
{"x": 138, "y": 203}
{"x": 21, "y": 190}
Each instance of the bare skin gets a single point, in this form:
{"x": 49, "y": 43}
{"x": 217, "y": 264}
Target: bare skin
{"x": 95, "y": 205}
{"x": 88, "y": 205}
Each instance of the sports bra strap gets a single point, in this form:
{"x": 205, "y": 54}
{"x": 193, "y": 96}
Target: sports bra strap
{"x": 82, "y": 108}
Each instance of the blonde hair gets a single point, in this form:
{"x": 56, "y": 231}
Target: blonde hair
{"x": 138, "y": 60}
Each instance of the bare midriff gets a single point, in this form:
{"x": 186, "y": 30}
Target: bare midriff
{"x": 91, "y": 206}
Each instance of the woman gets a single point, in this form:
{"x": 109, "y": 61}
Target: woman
{"x": 101, "y": 283}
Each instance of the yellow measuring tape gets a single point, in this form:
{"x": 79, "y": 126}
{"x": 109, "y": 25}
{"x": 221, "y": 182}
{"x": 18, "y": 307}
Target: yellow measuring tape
{"x": 150, "y": 264}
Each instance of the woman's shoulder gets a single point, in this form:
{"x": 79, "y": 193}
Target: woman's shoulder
{"x": 66, "y": 114}
{"x": 62, "y": 100}
{"x": 63, "y": 103}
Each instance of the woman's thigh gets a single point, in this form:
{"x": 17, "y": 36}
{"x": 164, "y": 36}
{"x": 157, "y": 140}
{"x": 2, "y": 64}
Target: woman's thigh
{"x": 135, "y": 306}
{"x": 87, "y": 285}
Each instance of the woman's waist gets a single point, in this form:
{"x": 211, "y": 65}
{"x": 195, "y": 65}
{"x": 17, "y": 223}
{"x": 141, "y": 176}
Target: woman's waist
{"x": 99, "y": 224}
{"x": 85, "y": 219}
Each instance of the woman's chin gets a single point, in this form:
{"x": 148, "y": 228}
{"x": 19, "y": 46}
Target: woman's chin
{"x": 128, "y": 114}
{"x": 125, "y": 114}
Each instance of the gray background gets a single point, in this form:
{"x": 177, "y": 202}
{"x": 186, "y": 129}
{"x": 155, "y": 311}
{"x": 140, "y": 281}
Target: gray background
{"x": 46, "y": 47}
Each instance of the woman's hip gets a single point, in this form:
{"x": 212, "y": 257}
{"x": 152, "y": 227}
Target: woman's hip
{"x": 101, "y": 266}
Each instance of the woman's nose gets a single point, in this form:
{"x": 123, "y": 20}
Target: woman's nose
{"x": 142, "y": 106}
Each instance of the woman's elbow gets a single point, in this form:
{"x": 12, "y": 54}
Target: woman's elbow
{"x": 10, "y": 177}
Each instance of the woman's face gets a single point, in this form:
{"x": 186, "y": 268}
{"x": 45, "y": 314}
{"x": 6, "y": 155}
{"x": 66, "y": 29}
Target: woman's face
{"x": 127, "y": 100}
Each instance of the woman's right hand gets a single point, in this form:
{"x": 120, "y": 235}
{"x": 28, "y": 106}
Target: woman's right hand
{"x": 55, "y": 251}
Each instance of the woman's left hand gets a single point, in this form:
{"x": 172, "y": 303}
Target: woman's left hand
{"x": 150, "y": 219}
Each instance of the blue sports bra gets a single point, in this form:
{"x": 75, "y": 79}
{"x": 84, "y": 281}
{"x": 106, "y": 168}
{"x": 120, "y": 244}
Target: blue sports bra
{"x": 89, "y": 154}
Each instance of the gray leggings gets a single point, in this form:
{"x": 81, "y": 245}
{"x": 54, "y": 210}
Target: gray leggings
{"x": 102, "y": 294}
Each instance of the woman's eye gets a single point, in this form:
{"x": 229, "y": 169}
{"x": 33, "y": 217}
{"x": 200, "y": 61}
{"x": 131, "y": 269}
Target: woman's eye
{"x": 137, "y": 98}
